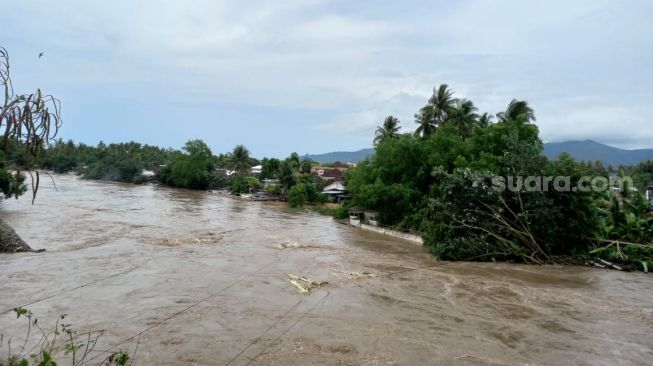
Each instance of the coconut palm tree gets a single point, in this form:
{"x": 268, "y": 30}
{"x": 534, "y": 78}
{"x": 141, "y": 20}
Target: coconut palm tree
{"x": 485, "y": 120}
{"x": 390, "y": 129}
{"x": 517, "y": 111}
{"x": 441, "y": 106}
{"x": 425, "y": 120}
{"x": 240, "y": 159}
{"x": 464, "y": 117}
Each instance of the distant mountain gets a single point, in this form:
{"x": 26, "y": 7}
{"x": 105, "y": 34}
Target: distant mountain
{"x": 341, "y": 156}
{"x": 587, "y": 150}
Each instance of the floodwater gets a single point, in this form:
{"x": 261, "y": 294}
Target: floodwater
{"x": 180, "y": 277}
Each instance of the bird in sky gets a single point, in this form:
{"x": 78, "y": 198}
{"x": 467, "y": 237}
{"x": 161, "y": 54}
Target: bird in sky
{"x": 40, "y": 54}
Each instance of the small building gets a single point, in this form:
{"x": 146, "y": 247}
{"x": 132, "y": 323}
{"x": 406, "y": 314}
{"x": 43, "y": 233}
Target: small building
{"x": 336, "y": 192}
{"x": 329, "y": 175}
{"x": 649, "y": 192}
{"x": 148, "y": 173}
{"x": 358, "y": 217}
{"x": 256, "y": 169}
{"x": 335, "y": 188}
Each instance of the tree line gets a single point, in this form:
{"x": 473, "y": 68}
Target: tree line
{"x": 438, "y": 180}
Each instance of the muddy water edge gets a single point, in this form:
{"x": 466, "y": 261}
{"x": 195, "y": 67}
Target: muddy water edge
{"x": 200, "y": 279}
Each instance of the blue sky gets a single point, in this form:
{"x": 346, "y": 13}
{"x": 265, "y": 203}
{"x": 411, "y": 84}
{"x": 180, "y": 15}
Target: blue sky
{"x": 316, "y": 76}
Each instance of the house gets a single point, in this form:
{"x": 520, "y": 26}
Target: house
{"x": 329, "y": 174}
{"x": 256, "y": 169}
{"x": 649, "y": 192}
{"x": 335, "y": 188}
{"x": 358, "y": 217}
{"x": 336, "y": 192}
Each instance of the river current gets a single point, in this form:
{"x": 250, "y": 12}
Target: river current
{"x": 178, "y": 277}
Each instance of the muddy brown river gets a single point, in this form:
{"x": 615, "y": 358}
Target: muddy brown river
{"x": 181, "y": 277}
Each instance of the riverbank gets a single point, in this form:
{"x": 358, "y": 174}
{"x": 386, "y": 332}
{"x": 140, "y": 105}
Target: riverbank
{"x": 10, "y": 242}
{"x": 204, "y": 280}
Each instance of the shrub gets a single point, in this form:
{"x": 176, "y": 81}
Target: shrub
{"x": 140, "y": 179}
{"x": 297, "y": 195}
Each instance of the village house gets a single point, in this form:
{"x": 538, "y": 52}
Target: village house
{"x": 336, "y": 192}
{"x": 329, "y": 174}
{"x": 256, "y": 169}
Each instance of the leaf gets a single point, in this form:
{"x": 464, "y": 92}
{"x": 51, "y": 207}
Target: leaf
{"x": 20, "y": 311}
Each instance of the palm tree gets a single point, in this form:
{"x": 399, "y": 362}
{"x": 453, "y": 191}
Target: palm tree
{"x": 240, "y": 159}
{"x": 440, "y": 108}
{"x": 517, "y": 111}
{"x": 464, "y": 117}
{"x": 390, "y": 129}
{"x": 425, "y": 120}
{"x": 485, "y": 120}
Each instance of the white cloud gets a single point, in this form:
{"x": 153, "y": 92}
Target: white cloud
{"x": 358, "y": 62}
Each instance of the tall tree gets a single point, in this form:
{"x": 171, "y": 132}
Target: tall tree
{"x": 294, "y": 161}
{"x": 240, "y": 159}
{"x": 485, "y": 120}
{"x": 441, "y": 106}
{"x": 465, "y": 117}
{"x": 517, "y": 111}
{"x": 389, "y": 129}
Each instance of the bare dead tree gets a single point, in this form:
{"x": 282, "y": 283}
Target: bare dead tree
{"x": 31, "y": 121}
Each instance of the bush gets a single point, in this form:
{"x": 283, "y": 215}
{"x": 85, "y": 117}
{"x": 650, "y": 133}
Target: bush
{"x": 273, "y": 189}
{"x": 239, "y": 185}
{"x": 297, "y": 195}
{"x": 341, "y": 212}
{"x": 140, "y": 179}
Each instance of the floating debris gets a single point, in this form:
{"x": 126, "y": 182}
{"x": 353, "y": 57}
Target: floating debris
{"x": 207, "y": 238}
{"x": 286, "y": 245}
{"x": 304, "y": 285}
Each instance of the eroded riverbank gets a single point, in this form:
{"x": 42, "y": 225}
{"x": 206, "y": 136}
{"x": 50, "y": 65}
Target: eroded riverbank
{"x": 202, "y": 279}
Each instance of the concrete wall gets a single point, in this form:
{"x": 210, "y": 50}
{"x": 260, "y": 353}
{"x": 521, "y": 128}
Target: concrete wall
{"x": 397, "y": 234}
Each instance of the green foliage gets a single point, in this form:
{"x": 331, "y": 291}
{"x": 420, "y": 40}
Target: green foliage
{"x": 305, "y": 166}
{"x": 297, "y": 195}
{"x": 192, "y": 168}
{"x": 440, "y": 181}
{"x": 116, "y": 162}
{"x": 11, "y": 184}
{"x": 240, "y": 159}
{"x": 243, "y": 184}
{"x": 625, "y": 216}
{"x": 340, "y": 212}
{"x": 273, "y": 189}
{"x": 286, "y": 174}
{"x": 270, "y": 168}
{"x": 62, "y": 339}
{"x": 389, "y": 129}
{"x": 140, "y": 179}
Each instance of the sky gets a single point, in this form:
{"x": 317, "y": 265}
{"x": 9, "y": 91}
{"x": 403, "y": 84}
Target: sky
{"x": 315, "y": 76}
